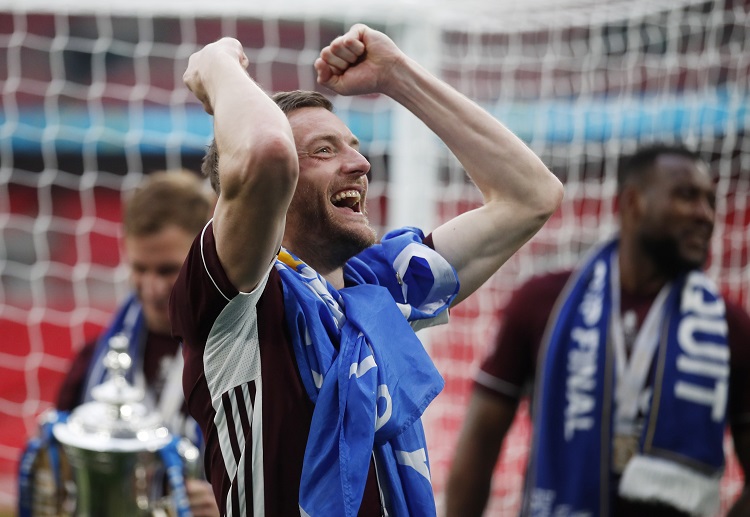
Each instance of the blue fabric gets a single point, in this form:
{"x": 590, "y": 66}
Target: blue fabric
{"x": 174, "y": 467}
{"x": 573, "y": 413}
{"x": 424, "y": 282}
{"x": 128, "y": 321}
{"x": 45, "y": 443}
{"x": 25, "y": 476}
{"x": 704, "y": 444}
{"x": 367, "y": 373}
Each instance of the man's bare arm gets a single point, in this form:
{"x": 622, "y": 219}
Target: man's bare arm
{"x": 520, "y": 193}
{"x": 485, "y": 426}
{"x": 258, "y": 166}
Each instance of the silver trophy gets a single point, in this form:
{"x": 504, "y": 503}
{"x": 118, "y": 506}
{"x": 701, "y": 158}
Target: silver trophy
{"x": 113, "y": 446}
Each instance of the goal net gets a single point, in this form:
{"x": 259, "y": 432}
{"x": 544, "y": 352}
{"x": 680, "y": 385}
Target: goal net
{"x": 92, "y": 100}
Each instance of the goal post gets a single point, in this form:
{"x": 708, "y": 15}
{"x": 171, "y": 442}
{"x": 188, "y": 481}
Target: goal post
{"x": 93, "y": 100}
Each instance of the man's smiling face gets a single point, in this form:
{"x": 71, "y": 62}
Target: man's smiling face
{"x": 327, "y": 217}
{"x": 677, "y": 218}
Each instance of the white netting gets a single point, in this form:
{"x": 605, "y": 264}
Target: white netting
{"x": 93, "y": 99}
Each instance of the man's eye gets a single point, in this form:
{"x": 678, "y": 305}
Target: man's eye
{"x": 686, "y": 193}
{"x": 324, "y": 150}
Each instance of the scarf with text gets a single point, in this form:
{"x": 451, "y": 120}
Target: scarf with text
{"x": 367, "y": 373}
{"x": 579, "y": 378}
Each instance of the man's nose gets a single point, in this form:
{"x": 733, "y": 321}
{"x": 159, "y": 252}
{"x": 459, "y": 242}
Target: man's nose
{"x": 356, "y": 163}
{"x": 155, "y": 285}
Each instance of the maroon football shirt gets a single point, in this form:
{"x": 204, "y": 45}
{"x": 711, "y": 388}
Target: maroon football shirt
{"x": 243, "y": 388}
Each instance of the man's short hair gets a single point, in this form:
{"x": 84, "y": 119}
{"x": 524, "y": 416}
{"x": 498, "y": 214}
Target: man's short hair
{"x": 298, "y": 99}
{"x": 287, "y": 102}
{"x": 636, "y": 168}
{"x": 176, "y": 197}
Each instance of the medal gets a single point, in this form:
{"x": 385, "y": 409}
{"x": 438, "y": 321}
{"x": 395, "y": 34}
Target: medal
{"x": 624, "y": 447}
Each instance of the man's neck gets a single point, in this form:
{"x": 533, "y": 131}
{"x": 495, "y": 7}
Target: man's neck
{"x": 335, "y": 278}
{"x": 320, "y": 263}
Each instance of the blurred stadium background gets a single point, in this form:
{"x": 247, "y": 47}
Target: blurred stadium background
{"x": 92, "y": 99}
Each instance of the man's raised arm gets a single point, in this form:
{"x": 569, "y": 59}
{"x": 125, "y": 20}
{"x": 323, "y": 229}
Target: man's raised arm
{"x": 519, "y": 192}
{"x": 258, "y": 169}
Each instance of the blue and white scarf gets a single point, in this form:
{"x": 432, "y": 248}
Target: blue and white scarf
{"x": 367, "y": 373}
{"x": 127, "y": 321}
{"x": 570, "y": 463}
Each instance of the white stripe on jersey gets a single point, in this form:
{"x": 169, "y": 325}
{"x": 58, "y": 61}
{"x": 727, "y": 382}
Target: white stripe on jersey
{"x": 256, "y": 422}
{"x": 238, "y": 431}
{"x": 237, "y": 471}
{"x": 222, "y": 431}
{"x": 240, "y": 482}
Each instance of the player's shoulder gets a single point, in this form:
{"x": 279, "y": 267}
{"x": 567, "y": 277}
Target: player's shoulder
{"x": 538, "y": 293}
{"x": 545, "y": 283}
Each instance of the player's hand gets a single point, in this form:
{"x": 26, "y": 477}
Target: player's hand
{"x": 201, "y": 497}
{"x": 359, "y": 62}
{"x": 204, "y": 66}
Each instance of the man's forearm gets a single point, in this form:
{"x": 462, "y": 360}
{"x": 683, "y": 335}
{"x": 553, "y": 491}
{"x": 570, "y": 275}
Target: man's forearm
{"x": 498, "y": 162}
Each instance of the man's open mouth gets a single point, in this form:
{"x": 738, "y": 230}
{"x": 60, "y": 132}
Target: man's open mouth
{"x": 347, "y": 199}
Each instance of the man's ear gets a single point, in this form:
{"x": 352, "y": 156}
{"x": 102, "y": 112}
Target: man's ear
{"x": 630, "y": 203}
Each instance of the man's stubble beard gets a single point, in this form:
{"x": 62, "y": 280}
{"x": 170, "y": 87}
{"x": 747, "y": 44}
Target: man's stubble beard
{"x": 665, "y": 253}
{"x": 327, "y": 245}
{"x": 349, "y": 244}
